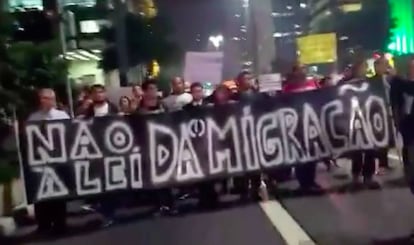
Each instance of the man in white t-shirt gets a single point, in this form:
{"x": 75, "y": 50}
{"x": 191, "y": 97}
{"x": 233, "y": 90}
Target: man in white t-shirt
{"x": 50, "y": 215}
{"x": 179, "y": 98}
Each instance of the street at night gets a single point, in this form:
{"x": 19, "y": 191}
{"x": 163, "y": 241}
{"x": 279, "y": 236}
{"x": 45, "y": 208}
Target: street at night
{"x": 337, "y": 217}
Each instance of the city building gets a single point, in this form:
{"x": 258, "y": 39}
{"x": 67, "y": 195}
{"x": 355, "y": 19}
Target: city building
{"x": 290, "y": 18}
{"x": 248, "y": 37}
{"x": 325, "y": 17}
{"x": 262, "y": 36}
{"x": 403, "y": 39}
{"x": 324, "y": 13}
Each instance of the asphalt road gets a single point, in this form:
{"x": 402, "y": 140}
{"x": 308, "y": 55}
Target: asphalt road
{"x": 335, "y": 218}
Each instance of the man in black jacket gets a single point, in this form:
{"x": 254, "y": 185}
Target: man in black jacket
{"x": 208, "y": 197}
{"x": 402, "y": 98}
{"x": 102, "y": 107}
{"x": 245, "y": 94}
{"x": 196, "y": 90}
{"x": 382, "y": 75}
{"x": 363, "y": 162}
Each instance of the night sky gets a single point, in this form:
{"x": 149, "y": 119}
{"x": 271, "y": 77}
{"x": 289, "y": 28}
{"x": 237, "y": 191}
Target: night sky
{"x": 194, "y": 19}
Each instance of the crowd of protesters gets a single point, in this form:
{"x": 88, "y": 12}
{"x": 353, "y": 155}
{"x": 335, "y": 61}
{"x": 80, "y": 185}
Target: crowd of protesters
{"x": 145, "y": 99}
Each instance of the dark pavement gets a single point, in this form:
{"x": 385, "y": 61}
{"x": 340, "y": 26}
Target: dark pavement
{"x": 200, "y": 229}
{"x": 339, "y": 217}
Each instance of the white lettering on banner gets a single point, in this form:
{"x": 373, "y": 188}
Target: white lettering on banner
{"x": 249, "y": 141}
{"x": 378, "y": 125}
{"x": 269, "y": 146}
{"x": 84, "y": 184}
{"x": 115, "y": 177}
{"x": 314, "y": 138}
{"x": 358, "y": 129}
{"x": 219, "y": 159}
{"x": 50, "y": 184}
{"x": 50, "y": 149}
{"x": 250, "y": 138}
{"x": 118, "y": 137}
{"x": 289, "y": 123}
{"x": 197, "y": 128}
{"x": 135, "y": 161}
{"x": 329, "y": 113}
{"x": 353, "y": 88}
{"x": 162, "y": 156}
{"x": 188, "y": 166}
{"x": 84, "y": 144}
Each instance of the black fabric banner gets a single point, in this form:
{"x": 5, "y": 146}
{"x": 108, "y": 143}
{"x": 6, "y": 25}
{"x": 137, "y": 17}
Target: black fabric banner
{"x": 78, "y": 158}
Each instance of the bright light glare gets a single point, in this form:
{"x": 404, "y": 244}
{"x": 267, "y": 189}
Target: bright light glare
{"x": 303, "y": 5}
{"x": 216, "y": 40}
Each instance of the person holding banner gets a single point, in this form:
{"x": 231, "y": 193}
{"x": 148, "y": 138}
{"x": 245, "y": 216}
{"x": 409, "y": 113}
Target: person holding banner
{"x": 196, "y": 90}
{"x": 246, "y": 91}
{"x": 298, "y": 82}
{"x": 150, "y": 105}
{"x": 102, "y": 107}
{"x": 382, "y": 68}
{"x": 50, "y": 215}
{"x": 207, "y": 195}
{"x": 362, "y": 162}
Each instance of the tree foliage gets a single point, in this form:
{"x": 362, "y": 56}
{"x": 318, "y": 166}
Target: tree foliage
{"x": 147, "y": 39}
{"x": 370, "y": 29}
{"x": 25, "y": 66}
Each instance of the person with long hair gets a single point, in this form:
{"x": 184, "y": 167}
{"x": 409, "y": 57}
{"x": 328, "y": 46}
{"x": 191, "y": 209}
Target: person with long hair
{"x": 125, "y": 105}
{"x": 136, "y": 98}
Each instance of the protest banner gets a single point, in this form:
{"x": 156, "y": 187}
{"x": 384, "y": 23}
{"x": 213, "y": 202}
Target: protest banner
{"x": 77, "y": 159}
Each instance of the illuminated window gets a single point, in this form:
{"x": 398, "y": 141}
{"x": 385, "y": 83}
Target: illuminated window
{"x": 351, "y": 7}
{"x": 26, "y": 4}
{"x": 38, "y": 4}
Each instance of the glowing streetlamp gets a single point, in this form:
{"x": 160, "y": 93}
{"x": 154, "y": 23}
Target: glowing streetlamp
{"x": 216, "y": 41}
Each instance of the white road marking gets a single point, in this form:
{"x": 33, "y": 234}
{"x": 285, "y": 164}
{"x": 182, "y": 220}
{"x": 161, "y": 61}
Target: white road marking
{"x": 393, "y": 157}
{"x": 288, "y": 228}
{"x": 285, "y": 224}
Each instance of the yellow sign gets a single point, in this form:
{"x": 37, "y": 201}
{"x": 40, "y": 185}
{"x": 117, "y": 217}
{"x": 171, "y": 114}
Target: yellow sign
{"x": 317, "y": 49}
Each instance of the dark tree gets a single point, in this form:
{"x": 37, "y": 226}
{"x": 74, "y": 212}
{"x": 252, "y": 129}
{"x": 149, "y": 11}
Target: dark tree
{"x": 25, "y": 66}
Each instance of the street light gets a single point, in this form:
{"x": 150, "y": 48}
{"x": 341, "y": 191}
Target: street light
{"x": 216, "y": 41}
